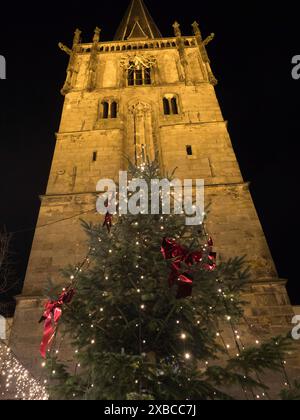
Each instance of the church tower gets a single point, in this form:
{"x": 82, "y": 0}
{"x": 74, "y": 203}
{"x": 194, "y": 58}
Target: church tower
{"x": 142, "y": 94}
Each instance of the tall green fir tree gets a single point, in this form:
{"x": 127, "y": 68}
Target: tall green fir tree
{"x": 147, "y": 318}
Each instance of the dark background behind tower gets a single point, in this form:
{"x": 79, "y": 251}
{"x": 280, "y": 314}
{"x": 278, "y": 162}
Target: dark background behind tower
{"x": 251, "y": 57}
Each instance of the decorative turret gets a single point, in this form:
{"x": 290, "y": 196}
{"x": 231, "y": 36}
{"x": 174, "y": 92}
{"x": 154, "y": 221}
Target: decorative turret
{"x": 182, "y": 53}
{"x": 71, "y": 67}
{"x": 202, "y": 47}
{"x": 92, "y": 78}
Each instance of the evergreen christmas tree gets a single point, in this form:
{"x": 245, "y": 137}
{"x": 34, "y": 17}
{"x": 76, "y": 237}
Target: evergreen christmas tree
{"x": 146, "y": 318}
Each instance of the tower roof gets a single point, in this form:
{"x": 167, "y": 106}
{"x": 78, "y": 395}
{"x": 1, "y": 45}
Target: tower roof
{"x": 137, "y": 23}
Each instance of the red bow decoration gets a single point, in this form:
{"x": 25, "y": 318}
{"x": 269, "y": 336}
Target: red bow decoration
{"x": 212, "y": 257}
{"x": 51, "y": 316}
{"x": 108, "y": 217}
{"x": 108, "y": 221}
{"x": 171, "y": 250}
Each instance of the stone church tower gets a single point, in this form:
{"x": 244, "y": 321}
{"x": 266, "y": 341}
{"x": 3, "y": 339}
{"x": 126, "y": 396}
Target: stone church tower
{"x": 140, "y": 94}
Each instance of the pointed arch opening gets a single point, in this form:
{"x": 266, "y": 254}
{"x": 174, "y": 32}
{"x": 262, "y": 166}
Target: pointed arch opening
{"x": 114, "y": 109}
{"x": 170, "y": 104}
{"x": 166, "y": 103}
{"x": 105, "y": 110}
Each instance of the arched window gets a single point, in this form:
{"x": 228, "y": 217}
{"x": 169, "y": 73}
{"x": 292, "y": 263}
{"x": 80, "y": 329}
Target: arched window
{"x": 114, "y": 109}
{"x": 109, "y": 109}
{"x": 147, "y": 76}
{"x": 138, "y": 76}
{"x": 105, "y": 110}
{"x": 170, "y": 103}
{"x": 174, "y": 106}
{"x": 167, "y": 110}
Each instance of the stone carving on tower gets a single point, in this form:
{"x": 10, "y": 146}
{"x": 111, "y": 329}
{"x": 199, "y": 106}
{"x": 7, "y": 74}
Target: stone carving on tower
{"x": 137, "y": 62}
{"x": 182, "y": 54}
{"x": 71, "y": 69}
{"x": 93, "y": 64}
{"x": 202, "y": 48}
{"x": 140, "y": 131}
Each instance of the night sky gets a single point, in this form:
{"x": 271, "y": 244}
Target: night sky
{"x": 251, "y": 57}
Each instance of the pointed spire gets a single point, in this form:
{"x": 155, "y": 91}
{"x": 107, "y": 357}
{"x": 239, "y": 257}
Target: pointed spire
{"x": 137, "y": 23}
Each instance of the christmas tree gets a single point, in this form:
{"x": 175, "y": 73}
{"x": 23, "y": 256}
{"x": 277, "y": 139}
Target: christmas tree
{"x": 146, "y": 316}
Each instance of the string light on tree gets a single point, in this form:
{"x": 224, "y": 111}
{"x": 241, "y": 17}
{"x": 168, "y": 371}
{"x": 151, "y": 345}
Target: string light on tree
{"x": 17, "y": 379}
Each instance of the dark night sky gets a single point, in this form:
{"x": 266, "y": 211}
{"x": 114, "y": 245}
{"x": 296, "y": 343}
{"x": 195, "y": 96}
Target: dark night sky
{"x": 251, "y": 57}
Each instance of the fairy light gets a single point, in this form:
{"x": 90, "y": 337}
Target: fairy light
{"x": 183, "y": 336}
{"x": 17, "y": 379}
{"x": 187, "y": 356}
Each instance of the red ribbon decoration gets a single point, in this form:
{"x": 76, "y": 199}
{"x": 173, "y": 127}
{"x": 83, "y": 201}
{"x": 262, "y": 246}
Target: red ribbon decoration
{"x": 212, "y": 257}
{"x": 51, "y": 316}
{"x": 108, "y": 217}
{"x": 171, "y": 250}
{"x": 108, "y": 221}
